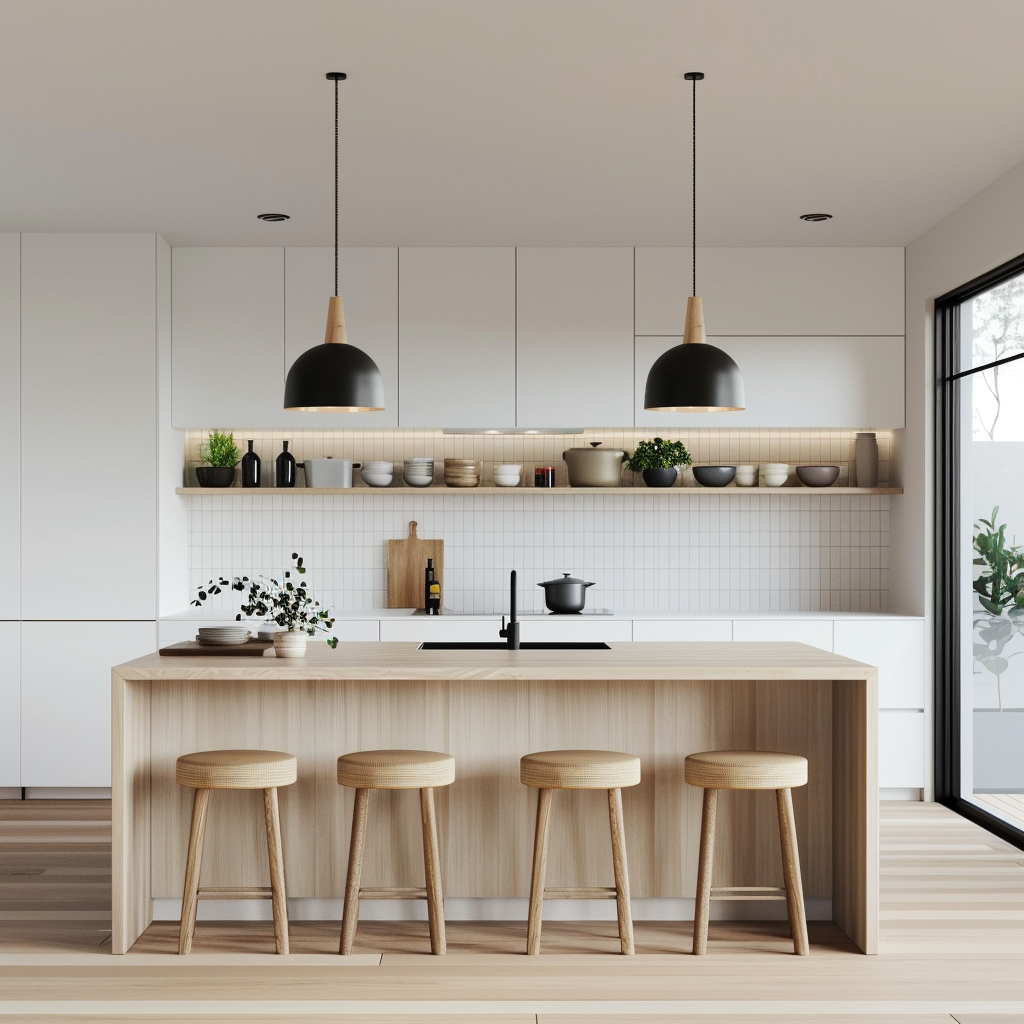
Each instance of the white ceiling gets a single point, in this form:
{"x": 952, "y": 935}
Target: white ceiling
{"x": 501, "y": 122}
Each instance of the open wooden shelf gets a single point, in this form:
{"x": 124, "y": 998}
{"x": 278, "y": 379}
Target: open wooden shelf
{"x": 364, "y": 491}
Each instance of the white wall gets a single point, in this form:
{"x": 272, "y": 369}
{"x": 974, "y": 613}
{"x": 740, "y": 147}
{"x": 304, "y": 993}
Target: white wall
{"x": 983, "y": 233}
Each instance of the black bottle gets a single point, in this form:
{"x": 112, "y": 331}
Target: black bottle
{"x": 432, "y": 591}
{"x": 285, "y": 468}
{"x": 250, "y": 468}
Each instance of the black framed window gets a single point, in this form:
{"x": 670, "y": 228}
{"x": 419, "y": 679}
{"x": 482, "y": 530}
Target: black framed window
{"x": 979, "y": 555}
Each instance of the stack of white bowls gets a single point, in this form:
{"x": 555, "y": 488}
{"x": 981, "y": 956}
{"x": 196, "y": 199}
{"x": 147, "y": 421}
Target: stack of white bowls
{"x": 774, "y": 474}
{"x": 378, "y": 474}
{"x": 745, "y": 476}
{"x": 221, "y": 636}
{"x": 419, "y": 472}
{"x": 507, "y": 474}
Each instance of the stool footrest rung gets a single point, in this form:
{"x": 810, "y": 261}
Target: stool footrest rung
{"x": 247, "y": 892}
{"x": 392, "y": 892}
{"x": 593, "y": 892}
{"x": 748, "y": 892}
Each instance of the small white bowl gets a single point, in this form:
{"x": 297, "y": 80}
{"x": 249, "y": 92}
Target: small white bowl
{"x": 418, "y": 479}
{"x": 774, "y": 479}
{"x": 507, "y": 479}
{"x": 745, "y": 476}
{"x": 379, "y": 467}
{"x": 377, "y": 479}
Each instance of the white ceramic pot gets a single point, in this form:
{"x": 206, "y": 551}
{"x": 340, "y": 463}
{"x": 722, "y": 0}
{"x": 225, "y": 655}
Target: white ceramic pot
{"x": 329, "y": 472}
{"x": 290, "y": 644}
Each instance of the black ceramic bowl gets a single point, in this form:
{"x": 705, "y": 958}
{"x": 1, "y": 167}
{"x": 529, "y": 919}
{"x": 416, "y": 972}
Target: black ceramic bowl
{"x": 714, "y": 476}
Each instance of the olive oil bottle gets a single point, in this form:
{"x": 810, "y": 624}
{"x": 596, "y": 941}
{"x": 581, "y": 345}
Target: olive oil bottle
{"x": 432, "y": 591}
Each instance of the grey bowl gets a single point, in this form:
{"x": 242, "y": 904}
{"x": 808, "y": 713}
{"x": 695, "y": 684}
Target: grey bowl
{"x": 817, "y": 476}
{"x": 714, "y": 476}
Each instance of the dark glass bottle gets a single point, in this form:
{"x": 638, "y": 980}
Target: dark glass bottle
{"x": 432, "y": 591}
{"x": 285, "y": 476}
{"x": 250, "y": 468}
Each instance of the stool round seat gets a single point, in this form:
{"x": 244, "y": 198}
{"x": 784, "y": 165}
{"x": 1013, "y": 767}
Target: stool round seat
{"x": 395, "y": 769}
{"x": 745, "y": 769}
{"x": 579, "y": 769}
{"x": 236, "y": 769}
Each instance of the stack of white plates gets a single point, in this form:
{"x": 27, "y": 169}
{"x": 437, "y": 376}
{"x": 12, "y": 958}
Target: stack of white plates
{"x": 221, "y": 635}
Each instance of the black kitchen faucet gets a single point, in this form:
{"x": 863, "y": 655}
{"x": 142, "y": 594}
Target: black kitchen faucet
{"x": 511, "y": 631}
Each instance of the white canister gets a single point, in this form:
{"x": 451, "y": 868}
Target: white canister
{"x": 329, "y": 472}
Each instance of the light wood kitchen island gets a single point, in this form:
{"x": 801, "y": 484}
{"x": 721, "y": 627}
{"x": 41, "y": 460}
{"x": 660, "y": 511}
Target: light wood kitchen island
{"x": 660, "y": 701}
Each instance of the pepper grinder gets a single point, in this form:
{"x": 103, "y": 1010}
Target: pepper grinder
{"x": 285, "y": 474}
{"x": 250, "y": 468}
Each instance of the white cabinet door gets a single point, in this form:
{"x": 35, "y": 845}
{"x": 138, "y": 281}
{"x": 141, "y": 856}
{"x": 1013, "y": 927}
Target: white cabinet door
{"x": 10, "y": 704}
{"x": 683, "y": 630}
{"x": 797, "y": 382}
{"x": 88, "y": 417}
{"x": 227, "y": 337}
{"x": 574, "y": 337}
{"x": 895, "y": 648}
{"x": 785, "y": 291}
{"x": 457, "y": 317}
{"x": 814, "y": 632}
{"x": 452, "y": 628}
{"x": 901, "y": 750}
{"x": 10, "y": 430}
{"x": 368, "y": 284}
{"x": 65, "y": 697}
{"x": 576, "y": 628}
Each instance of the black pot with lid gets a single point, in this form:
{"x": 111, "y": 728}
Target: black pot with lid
{"x": 566, "y": 596}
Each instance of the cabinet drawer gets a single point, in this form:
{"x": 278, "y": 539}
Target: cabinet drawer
{"x": 896, "y": 649}
{"x": 581, "y": 628}
{"x": 814, "y": 632}
{"x": 682, "y": 630}
{"x": 901, "y": 750}
{"x": 420, "y": 628}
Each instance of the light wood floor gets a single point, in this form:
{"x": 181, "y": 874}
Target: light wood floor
{"x": 952, "y": 950}
{"x": 1009, "y": 805}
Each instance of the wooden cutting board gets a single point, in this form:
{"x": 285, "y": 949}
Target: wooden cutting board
{"x": 407, "y": 561}
{"x": 252, "y": 648}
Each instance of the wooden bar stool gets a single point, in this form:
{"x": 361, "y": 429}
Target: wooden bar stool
{"x": 579, "y": 769}
{"x": 234, "y": 769}
{"x": 395, "y": 769}
{"x": 748, "y": 769}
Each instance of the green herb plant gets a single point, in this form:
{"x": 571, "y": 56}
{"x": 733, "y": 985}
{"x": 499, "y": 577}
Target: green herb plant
{"x": 219, "y": 450}
{"x": 286, "y": 603}
{"x": 658, "y": 454}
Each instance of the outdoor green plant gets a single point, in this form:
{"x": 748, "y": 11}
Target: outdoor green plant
{"x": 219, "y": 450}
{"x": 1000, "y": 585}
{"x": 288, "y": 604}
{"x": 658, "y": 454}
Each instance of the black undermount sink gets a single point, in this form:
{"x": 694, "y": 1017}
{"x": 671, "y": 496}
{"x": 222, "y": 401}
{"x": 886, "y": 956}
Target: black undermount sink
{"x": 500, "y": 645}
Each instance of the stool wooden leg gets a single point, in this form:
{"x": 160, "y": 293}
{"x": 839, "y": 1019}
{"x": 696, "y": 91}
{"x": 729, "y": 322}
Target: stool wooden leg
{"x": 791, "y": 870}
{"x": 540, "y": 864}
{"x": 350, "y": 920}
{"x": 193, "y": 864}
{"x": 621, "y": 871}
{"x": 432, "y": 872}
{"x": 702, "y": 907}
{"x": 276, "y": 856}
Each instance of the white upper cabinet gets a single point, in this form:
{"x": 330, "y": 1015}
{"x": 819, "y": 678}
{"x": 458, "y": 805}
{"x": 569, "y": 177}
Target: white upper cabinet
{"x": 88, "y": 418}
{"x": 368, "y": 285}
{"x": 796, "y": 382}
{"x": 227, "y": 337}
{"x": 574, "y": 337}
{"x": 784, "y": 291}
{"x": 10, "y": 428}
{"x": 457, "y": 320}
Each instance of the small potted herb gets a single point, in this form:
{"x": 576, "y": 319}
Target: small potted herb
{"x": 658, "y": 461}
{"x": 220, "y": 453}
{"x": 288, "y": 604}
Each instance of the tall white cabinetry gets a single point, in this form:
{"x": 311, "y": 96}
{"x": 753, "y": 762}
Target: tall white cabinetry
{"x": 457, "y": 337}
{"x": 574, "y": 337}
{"x": 88, "y": 501}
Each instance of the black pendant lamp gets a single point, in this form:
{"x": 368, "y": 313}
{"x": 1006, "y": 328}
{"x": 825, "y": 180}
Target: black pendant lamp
{"x": 335, "y": 376}
{"x": 694, "y": 376}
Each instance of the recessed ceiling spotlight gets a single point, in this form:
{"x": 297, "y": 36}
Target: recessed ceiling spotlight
{"x": 273, "y": 217}
{"x": 815, "y": 217}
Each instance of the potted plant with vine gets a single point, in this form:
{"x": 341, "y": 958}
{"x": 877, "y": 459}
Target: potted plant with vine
{"x": 999, "y": 587}
{"x": 659, "y": 461}
{"x": 221, "y": 455}
{"x": 286, "y": 603}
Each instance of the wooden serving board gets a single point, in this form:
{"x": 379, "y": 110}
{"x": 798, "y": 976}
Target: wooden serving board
{"x": 407, "y": 561}
{"x": 190, "y": 648}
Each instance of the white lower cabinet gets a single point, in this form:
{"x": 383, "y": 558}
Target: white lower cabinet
{"x": 10, "y": 704}
{"x": 901, "y": 750}
{"x": 65, "y": 697}
{"x": 896, "y": 648}
{"x": 682, "y": 630}
{"x": 416, "y": 629}
{"x": 581, "y": 629}
{"x": 813, "y": 632}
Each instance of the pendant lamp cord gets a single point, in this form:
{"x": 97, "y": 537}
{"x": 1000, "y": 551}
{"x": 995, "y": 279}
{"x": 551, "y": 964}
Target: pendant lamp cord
{"x": 336, "y": 185}
{"x": 694, "y": 218}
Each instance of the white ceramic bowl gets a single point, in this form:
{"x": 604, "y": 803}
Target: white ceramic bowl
{"x": 379, "y": 467}
{"x": 507, "y": 479}
{"x": 774, "y": 479}
{"x": 418, "y": 479}
{"x": 745, "y": 476}
{"x": 775, "y": 467}
{"x": 377, "y": 479}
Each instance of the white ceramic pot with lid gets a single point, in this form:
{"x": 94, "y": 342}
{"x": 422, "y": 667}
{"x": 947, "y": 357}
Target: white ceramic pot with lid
{"x": 594, "y": 466}
{"x": 329, "y": 472}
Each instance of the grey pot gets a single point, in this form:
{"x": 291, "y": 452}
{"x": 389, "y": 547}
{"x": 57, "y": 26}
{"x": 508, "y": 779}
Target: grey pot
{"x": 215, "y": 476}
{"x": 714, "y": 476}
{"x": 660, "y": 477}
{"x": 594, "y": 466}
{"x": 565, "y": 596}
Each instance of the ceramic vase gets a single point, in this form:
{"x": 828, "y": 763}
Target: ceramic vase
{"x": 290, "y": 644}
